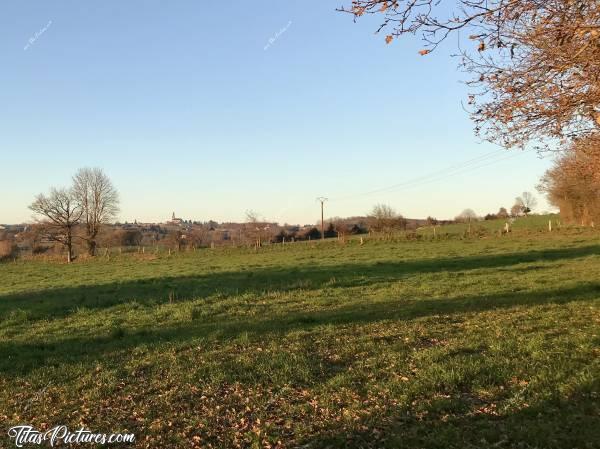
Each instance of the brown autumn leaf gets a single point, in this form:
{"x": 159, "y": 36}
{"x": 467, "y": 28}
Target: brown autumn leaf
{"x": 389, "y": 38}
{"x": 424, "y": 52}
{"x": 358, "y": 10}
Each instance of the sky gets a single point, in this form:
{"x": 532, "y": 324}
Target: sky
{"x": 209, "y": 109}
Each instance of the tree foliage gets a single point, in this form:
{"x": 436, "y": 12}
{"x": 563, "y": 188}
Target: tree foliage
{"x": 573, "y": 183}
{"x": 533, "y": 67}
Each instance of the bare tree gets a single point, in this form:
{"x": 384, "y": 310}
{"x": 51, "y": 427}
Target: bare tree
{"x": 431, "y": 221}
{"x": 252, "y": 216}
{"x": 8, "y": 246}
{"x": 340, "y": 227}
{"x": 32, "y": 237}
{"x": 60, "y": 213}
{"x": 502, "y": 213}
{"x": 176, "y": 238}
{"x": 527, "y": 202}
{"x": 122, "y": 237}
{"x": 466, "y": 216}
{"x": 198, "y": 236}
{"x": 384, "y": 218}
{"x": 99, "y": 202}
{"x": 254, "y": 227}
{"x": 516, "y": 210}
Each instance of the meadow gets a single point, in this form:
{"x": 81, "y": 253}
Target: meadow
{"x": 455, "y": 342}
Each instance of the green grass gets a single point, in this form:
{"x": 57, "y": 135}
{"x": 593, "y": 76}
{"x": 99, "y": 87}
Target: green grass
{"x": 452, "y": 343}
{"x": 528, "y": 225}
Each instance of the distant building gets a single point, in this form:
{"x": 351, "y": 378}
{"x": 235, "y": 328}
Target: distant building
{"x": 175, "y": 221}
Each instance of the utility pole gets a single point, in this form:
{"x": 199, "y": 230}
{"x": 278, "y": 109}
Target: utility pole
{"x": 322, "y": 200}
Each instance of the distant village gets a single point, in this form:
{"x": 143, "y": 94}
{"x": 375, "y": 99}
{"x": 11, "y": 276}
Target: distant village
{"x": 179, "y": 233}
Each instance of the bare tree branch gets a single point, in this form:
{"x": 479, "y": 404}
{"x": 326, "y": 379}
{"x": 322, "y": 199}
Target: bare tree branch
{"x": 60, "y": 214}
{"x": 99, "y": 202}
{"x": 534, "y": 68}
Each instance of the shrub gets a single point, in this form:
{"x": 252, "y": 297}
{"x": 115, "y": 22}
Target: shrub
{"x": 8, "y": 249}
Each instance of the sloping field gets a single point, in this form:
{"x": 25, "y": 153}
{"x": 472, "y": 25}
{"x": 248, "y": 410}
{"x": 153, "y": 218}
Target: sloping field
{"x": 456, "y": 343}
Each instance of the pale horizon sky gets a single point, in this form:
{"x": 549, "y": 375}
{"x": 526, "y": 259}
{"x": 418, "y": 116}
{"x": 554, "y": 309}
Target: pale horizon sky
{"x": 208, "y": 109}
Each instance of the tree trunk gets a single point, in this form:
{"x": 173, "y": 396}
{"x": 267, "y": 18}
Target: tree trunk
{"x": 92, "y": 233}
{"x": 91, "y": 244}
{"x": 69, "y": 245}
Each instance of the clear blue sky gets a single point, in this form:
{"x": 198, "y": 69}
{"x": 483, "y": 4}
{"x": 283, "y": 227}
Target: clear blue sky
{"x": 184, "y": 108}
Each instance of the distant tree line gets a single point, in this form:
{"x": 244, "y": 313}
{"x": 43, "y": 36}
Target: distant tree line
{"x": 523, "y": 206}
{"x": 79, "y": 219}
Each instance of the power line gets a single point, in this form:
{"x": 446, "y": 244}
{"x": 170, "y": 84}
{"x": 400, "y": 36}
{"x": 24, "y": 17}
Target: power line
{"x": 461, "y": 168}
{"x": 435, "y": 173}
{"x": 461, "y": 172}
{"x": 457, "y": 169}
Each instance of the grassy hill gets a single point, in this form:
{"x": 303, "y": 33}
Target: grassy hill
{"x": 473, "y": 342}
{"x": 521, "y": 225}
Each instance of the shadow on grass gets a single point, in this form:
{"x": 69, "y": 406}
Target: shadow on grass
{"x": 448, "y": 423}
{"x": 58, "y": 303}
{"x": 20, "y": 358}
{"x": 555, "y": 423}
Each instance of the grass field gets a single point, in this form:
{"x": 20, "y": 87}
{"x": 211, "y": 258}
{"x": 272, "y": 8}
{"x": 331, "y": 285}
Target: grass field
{"x": 452, "y": 343}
